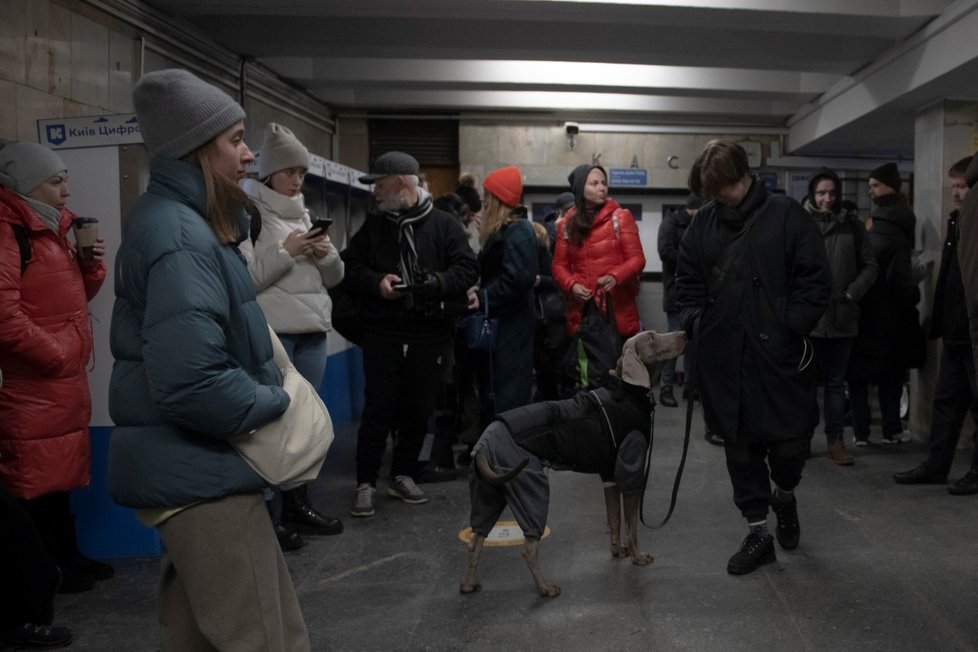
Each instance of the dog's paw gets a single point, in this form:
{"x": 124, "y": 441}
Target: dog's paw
{"x": 548, "y": 590}
{"x": 642, "y": 559}
{"x": 469, "y": 588}
{"x": 619, "y": 551}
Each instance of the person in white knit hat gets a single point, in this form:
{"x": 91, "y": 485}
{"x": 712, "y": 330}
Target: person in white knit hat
{"x": 194, "y": 369}
{"x": 292, "y": 266}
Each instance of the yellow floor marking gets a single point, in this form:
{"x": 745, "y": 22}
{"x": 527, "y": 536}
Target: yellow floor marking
{"x": 503, "y": 533}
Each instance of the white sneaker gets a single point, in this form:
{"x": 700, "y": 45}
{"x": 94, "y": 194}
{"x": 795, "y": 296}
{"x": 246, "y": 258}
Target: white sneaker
{"x": 363, "y": 502}
{"x": 405, "y": 489}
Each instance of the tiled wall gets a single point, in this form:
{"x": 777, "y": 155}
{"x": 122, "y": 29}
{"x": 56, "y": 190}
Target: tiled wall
{"x": 57, "y": 62}
{"x": 543, "y": 154}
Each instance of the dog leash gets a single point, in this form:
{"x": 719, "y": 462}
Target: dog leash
{"x": 691, "y": 392}
{"x": 679, "y": 471}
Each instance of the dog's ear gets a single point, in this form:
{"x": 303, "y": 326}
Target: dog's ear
{"x": 633, "y": 369}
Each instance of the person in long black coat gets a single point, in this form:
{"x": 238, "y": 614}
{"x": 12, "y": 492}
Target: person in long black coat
{"x": 751, "y": 359}
{"x": 507, "y": 272}
{"x": 674, "y": 224}
{"x": 889, "y": 335}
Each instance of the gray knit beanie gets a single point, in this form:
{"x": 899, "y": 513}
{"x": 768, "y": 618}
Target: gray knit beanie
{"x": 25, "y": 166}
{"x": 178, "y": 112}
{"x": 280, "y": 150}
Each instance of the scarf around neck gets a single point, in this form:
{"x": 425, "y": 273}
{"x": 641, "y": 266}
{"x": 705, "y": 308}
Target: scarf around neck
{"x": 411, "y": 272}
{"x": 49, "y": 215}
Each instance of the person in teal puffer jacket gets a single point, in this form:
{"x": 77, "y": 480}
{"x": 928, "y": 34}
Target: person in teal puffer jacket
{"x": 193, "y": 369}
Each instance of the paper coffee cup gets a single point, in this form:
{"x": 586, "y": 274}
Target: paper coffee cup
{"x": 86, "y": 233}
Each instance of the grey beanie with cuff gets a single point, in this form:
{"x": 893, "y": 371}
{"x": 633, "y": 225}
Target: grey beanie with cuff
{"x": 178, "y": 112}
{"x": 25, "y": 166}
{"x": 280, "y": 150}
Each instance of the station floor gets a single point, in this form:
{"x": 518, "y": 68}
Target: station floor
{"x": 880, "y": 567}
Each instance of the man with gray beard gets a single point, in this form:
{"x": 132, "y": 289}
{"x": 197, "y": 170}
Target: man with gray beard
{"x": 410, "y": 265}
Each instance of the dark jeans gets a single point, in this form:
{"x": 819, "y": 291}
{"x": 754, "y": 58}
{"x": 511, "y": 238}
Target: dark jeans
{"x": 832, "y": 359}
{"x": 668, "y": 376}
{"x": 751, "y": 474}
{"x": 400, "y": 391}
{"x": 889, "y": 396}
{"x": 29, "y": 576}
{"x": 953, "y": 399}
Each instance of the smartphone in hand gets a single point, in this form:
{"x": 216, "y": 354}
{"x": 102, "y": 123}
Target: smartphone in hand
{"x": 322, "y": 224}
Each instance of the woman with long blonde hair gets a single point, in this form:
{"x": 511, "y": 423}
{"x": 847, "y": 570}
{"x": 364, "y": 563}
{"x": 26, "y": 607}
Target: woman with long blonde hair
{"x": 508, "y": 272}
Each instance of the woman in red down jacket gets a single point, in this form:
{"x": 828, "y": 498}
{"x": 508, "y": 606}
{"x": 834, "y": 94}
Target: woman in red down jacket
{"x": 45, "y": 344}
{"x": 598, "y": 248}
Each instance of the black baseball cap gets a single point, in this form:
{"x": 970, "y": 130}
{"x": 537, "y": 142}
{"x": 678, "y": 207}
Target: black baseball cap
{"x": 391, "y": 163}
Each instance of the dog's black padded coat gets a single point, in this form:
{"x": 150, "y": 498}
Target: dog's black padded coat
{"x": 577, "y": 434}
{"x": 574, "y": 434}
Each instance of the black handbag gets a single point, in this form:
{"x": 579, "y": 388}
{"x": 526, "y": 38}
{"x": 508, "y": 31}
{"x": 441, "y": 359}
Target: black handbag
{"x": 478, "y": 330}
{"x": 550, "y": 307}
{"x": 345, "y": 315}
{"x": 599, "y": 343}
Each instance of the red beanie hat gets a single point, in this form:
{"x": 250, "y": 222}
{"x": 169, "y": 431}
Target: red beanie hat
{"x": 506, "y": 185}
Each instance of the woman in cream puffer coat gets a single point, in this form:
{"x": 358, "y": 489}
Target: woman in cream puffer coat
{"x": 292, "y": 265}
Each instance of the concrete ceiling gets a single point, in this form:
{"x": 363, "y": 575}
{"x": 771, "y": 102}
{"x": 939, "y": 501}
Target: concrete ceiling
{"x": 843, "y": 77}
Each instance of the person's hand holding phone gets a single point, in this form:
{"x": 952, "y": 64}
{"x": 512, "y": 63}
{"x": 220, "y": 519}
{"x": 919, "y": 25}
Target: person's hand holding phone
{"x": 297, "y": 244}
{"x": 320, "y": 246}
{"x": 387, "y": 286}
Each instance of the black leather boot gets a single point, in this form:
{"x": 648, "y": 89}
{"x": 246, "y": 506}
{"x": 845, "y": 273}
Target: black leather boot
{"x": 288, "y": 539}
{"x": 298, "y": 513}
{"x": 75, "y": 580}
{"x": 74, "y": 559}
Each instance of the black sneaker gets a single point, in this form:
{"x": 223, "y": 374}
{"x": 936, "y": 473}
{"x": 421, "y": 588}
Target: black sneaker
{"x": 756, "y": 550}
{"x": 666, "y": 398}
{"x": 789, "y": 530}
{"x": 36, "y": 637}
{"x": 920, "y": 474}
{"x": 966, "y": 486}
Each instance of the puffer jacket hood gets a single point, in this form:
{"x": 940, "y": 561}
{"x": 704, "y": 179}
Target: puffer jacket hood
{"x": 825, "y": 173}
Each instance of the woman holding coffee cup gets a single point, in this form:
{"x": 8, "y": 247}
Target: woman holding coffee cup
{"x": 45, "y": 345}
{"x": 292, "y": 263}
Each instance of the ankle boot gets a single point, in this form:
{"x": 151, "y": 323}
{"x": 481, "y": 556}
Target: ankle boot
{"x": 298, "y": 513}
{"x": 288, "y": 539}
{"x": 74, "y": 559}
{"x": 75, "y": 580}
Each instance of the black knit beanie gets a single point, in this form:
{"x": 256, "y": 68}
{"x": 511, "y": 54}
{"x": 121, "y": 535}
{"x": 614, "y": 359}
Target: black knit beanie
{"x": 888, "y": 174}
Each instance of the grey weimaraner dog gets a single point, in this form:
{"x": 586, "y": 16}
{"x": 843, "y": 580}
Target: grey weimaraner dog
{"x": 605, "y": 431}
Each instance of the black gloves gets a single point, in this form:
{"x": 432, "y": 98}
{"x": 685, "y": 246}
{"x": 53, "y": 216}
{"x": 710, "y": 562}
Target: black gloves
{"x": 428, "y": 287}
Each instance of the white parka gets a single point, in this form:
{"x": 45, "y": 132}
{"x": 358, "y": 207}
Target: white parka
{"x": 291, "y": 290}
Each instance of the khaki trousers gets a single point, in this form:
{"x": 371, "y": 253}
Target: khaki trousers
{"x": 224, "y": 583}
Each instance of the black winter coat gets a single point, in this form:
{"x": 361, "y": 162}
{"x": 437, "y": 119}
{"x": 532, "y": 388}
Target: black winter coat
{"x": 671, "y": 231}
{"x": 443, "y": 249}
{"x": 508, "y": 266}
{"x": 886, "y": 328}
{"x": 949, "y": 315}
{"x": 853, "y": 265}
{"x": 750, "y": 341}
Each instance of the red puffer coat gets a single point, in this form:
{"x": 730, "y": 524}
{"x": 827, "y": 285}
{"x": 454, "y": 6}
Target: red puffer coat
{"x": 45, "y": 343}
{"x": 603, "y": 252}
